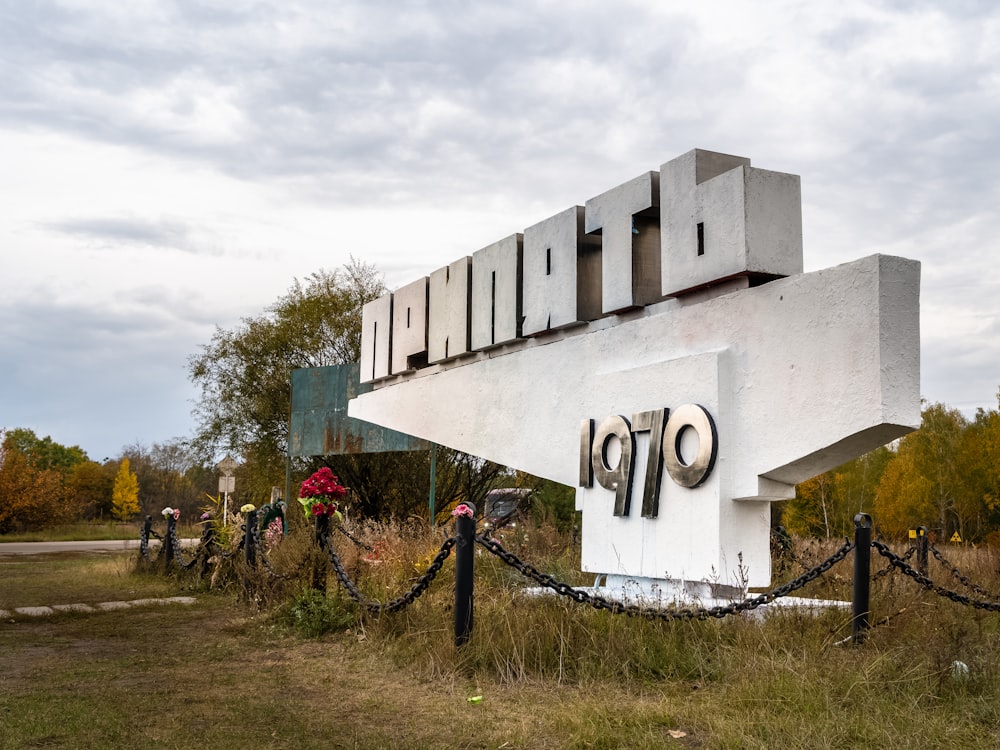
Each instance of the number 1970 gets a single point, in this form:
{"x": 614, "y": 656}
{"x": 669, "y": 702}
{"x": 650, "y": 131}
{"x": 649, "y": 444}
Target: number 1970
{"x": 666, "y": 430}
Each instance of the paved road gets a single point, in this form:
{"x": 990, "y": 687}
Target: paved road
{"x": 41, "y": 548}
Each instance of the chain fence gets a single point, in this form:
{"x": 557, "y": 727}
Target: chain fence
{"x": 890, "y": 568}
{"x": 400, "y": 602}
{"x": 905, "y": 568}
{"x": 256, "y": 552}
{"x": 637, "y": 610}
{"x": 959, "y": 576}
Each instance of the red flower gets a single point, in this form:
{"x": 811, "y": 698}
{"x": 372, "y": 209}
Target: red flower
{"x": 318, "y": 509}
{"x": 324, "y": 484}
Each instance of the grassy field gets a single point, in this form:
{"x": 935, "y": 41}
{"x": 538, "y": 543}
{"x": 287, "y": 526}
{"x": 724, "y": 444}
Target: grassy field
{"x": 226, "y": 674}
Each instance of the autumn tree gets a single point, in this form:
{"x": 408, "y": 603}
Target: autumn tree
{"x": 827, "y": 504}
{"x": 29, "y": 498}
{"x": 943, "y": 476}
{"x": 125, "y": 494}
{"x": 90, "y": 485}
{"x": 33, "y": 477}
{"x": 979, "y": 465}
{"x": 165, "y": 476}
{"x": 903, "y": 500}
{"x": 811, "y": 511}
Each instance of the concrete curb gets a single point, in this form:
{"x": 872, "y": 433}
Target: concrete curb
{"x": 102, "y": 606}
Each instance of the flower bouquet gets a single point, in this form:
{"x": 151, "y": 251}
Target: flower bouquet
{"x": 319, "y": 494}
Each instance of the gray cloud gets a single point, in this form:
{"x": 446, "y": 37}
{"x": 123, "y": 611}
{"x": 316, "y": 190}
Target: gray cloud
{"x": 96, "y": 377}
{"x": 112, "y": 230}
{"x": 888, "y": 110}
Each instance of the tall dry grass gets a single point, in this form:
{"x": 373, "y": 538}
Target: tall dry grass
{"x": 553, "y": 673}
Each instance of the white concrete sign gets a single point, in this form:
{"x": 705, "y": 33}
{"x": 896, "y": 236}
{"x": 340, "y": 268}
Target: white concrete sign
{"x": 660, "y": 349}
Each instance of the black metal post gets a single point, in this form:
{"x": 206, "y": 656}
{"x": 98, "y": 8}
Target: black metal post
{"x": 147, "y": 526}
{"x": 168, "y": 540}
{"x": 465, "y": 534}
{"x": 862, "y": 575}
{"x": 249, "y": 539}
{"x": 922, "y": 550}
{"x": 319, "y": 560}
{"x": 205, "y": 547}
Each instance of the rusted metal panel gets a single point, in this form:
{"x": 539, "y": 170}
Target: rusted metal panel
{"x": 319, "y": 425}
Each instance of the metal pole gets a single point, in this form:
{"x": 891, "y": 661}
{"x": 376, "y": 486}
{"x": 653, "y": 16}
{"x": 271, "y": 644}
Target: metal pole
{"x": 288, "y": 476}
{"x": 168, "y": 540}
{"x": 922, "y": 550}
{"x": 319, "y": 563}
{"x": 249, "y": 548}
{"x": 465, "y": 533}
{"x": 434, "y": 462}
{"x": 862, "y": 575}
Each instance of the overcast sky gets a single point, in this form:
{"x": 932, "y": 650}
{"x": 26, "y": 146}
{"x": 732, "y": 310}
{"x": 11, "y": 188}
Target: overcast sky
{"x": 170, "y": 167}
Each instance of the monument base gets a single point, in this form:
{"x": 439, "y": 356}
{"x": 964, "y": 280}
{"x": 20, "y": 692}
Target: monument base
{"x": 665, "y": 593}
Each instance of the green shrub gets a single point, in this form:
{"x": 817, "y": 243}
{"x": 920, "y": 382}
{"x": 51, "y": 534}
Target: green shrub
{"x": 314, "y": 614}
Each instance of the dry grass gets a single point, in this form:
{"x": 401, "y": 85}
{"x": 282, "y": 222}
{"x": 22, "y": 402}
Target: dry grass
{"x": 552, "y": 674}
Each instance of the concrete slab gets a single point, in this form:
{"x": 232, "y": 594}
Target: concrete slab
{"x": 181, "y": 600}
{"x": 34, "y": 611}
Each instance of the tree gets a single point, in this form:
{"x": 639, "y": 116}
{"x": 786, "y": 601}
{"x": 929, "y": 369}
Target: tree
{"x": 903, "y": 500}
{"x": 90, "y": 487}
{"x": 30, "y": 498}
{"x": 809, "y": 512}
{"x": 163, "y": 472}
{"x": 245, "y": 374}
{"x": 935, "y": 449}
{"x": 245, "y": 380}
{"x": 827, "y": 504}
{"x": 33, "y": 477}
{"x": 44, "y": 453}
{"x": 125, "y": 495}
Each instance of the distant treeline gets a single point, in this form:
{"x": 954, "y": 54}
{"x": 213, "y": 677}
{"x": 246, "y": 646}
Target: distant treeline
{"x": 945, "y": 476}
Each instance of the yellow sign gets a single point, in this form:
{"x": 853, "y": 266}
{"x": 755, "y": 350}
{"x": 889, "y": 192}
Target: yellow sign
{"x": 913, "y": 533}
{"x": 955, "y": 538}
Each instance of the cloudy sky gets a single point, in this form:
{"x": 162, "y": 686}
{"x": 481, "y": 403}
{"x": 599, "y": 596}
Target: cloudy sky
{"x": 169, "y": 167}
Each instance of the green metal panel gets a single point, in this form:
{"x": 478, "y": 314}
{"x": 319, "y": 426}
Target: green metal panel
{"x": 319, "y": 424}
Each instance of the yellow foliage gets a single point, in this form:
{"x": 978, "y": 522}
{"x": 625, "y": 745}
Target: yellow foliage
{"x": 125, "y": 495}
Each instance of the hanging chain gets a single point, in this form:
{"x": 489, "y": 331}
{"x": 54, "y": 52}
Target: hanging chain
{"x": 928, "y": 584}
{"x": 144, "y": 544}
{"x": 964, "y": 580}
{"x": 349, "y": 535}
{"x": 890, "y": 568}
{"x": 265, "y": 558}
{"x": 400, "y": 602}
{"x": 681, "y": 613}
{"x": 175, "y": 543}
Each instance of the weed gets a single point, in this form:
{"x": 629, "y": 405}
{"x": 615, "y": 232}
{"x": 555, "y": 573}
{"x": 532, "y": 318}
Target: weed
{"x": 314, "y": 614}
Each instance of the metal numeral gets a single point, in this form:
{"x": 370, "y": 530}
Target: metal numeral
{"x": 666, "y": 431}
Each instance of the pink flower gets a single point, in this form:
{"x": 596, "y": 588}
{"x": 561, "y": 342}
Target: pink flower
{"x": 462, "y": 510}
{"x": 177, "y": 514}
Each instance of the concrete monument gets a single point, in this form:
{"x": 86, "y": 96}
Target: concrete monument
{"x": 661, "y": 349}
